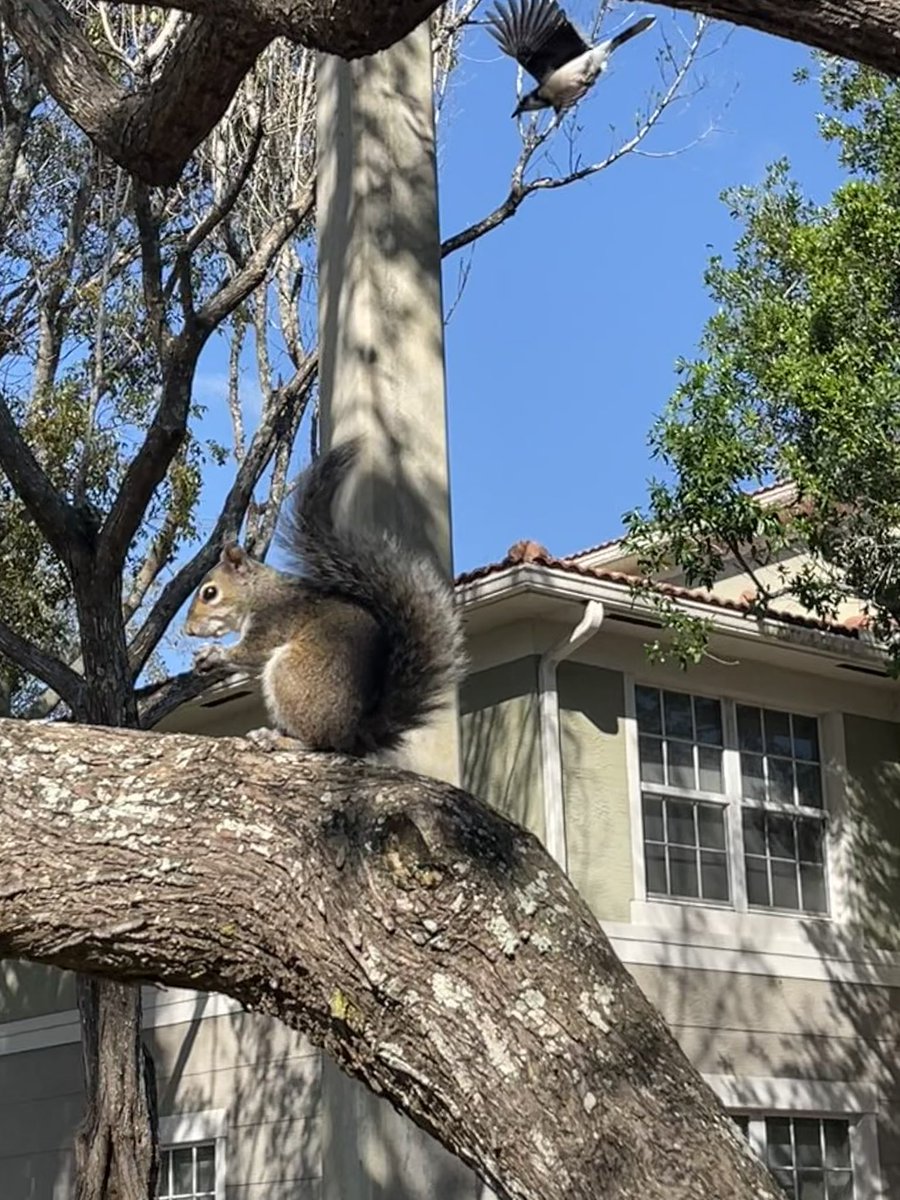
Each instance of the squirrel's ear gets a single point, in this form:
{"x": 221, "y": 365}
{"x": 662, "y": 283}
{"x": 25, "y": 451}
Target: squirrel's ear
{"x": 234, "y": 556}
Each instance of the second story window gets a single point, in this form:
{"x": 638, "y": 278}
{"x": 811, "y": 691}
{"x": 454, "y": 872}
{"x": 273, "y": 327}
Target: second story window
{"x": 731, "y": 802}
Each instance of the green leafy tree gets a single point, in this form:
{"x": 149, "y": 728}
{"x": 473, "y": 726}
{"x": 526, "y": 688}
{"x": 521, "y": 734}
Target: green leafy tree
{"x": 798, "y": 381}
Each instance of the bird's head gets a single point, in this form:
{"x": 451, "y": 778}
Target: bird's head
{"x": 530, "y": 102}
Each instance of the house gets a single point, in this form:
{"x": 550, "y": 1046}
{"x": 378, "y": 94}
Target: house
{"x": 735, "y": 828}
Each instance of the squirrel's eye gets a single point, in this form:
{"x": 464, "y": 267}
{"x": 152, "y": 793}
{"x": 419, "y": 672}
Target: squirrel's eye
{"x": 209, "y": 592}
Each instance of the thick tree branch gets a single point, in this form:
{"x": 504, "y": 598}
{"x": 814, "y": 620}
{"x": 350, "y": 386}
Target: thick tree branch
{"x": 64, "y": 681}
{"x": 161, "y": 443}
{"x": 153, "y": 130}
{"x": 430, "y": 946}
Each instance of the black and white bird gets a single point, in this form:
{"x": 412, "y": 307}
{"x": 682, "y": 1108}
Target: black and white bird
{"x": 539, "y": 36}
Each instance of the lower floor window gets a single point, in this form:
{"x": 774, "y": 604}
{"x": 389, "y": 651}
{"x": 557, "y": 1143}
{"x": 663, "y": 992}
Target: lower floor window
{"x": 809, "y": 1156}
{"x": 188, "y": 1172}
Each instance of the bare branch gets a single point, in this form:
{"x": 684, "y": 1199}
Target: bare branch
{"x": 253, "y": 272}
{"x": 55, "y": 518}
{"x": 164, "y": 437}
{"x": 521, "y": 188}
{"x": 157, "y": 700}
{"x": 41, "y": 665}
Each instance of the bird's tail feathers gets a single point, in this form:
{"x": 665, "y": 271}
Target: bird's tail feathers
{"x": 404, "y": 592}
{"x": 632, "y": 31}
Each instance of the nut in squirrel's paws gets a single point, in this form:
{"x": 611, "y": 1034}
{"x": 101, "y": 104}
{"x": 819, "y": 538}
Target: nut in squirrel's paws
{"x": 207, "y": 658}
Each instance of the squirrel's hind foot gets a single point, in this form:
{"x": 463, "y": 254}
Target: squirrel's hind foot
{"x": 271, "y": 739}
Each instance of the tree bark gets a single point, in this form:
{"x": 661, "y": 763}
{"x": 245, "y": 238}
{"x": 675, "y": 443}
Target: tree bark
{"x": 116, "y": 1146}
{"x": 430, "y": 946}
{"x": 152, "y": 130}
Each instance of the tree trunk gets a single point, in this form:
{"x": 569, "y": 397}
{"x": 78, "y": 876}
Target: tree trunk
{"x": 430, "y": 946}
{"x": 116, "y": 1151}
{"x": 116, "y": 1147}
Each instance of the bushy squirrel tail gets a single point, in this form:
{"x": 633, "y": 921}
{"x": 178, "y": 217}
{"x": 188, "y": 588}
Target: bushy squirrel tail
{"x": 404, "y": 592}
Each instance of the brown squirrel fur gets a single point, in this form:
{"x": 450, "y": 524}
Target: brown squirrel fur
{"x": 354, "y": 653}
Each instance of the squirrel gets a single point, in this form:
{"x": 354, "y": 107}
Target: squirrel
{"x": 355, "y": 652}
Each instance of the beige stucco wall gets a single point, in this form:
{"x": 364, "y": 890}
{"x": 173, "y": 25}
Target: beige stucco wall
{"x": 595, "y": 786}
{"x": 501, "y": 740}
{"x": 873, "y": 802}
{"x": 760, "y": 1025}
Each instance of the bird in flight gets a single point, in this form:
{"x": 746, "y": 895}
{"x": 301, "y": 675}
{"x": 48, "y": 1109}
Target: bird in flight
{"x": 539, "y": 36}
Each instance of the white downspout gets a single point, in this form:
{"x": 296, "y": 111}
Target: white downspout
{"x": 551, "y": 750}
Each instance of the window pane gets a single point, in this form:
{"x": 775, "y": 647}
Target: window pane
{"x": 647, "y": 706}
{"x": 778, "y": 732}
{"x": 778, "y": 1142}
{"x": 784, "y": 884}
{"x": 837, "y": 1143}
{"x": 655, "y": 859}
{"x": 679, "y": 721}
{"x": 710, "y": 769}
{"x": 652, "y": 760}
{"x": 807, "y": 1143}
{"x": 811, "y": 1185}
{"x": 840, "y": 1185}
{"x": 812, "y": 881}
{"x": 681, "y": 764}
{"x": 781, "y": 781}
{"x": 711, "y": 823}
{"x": 757, "y": 881}
{"x": 749, "y": 732}
{"x": 809, "y": 785}
{"x": 683, "y": 870}
{"x": 786, "y": 1179}
{"x": 806, "y": 738}
{"x": 809, "y": 841}
{"x": 708, "y": 714}
{"x": 183, "y": 1171}
{"x": 680, "y": 822}
{"x": 713, "y": 875}
{"x": 781, "y": 836}
{"x": 753, "y": 785}
{"x": 206, "y": 1169}
{"x": 653, "y": 821}
{"x": 754, "y": 831}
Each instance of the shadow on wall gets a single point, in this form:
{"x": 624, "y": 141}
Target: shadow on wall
{"x": 501, "y": 743}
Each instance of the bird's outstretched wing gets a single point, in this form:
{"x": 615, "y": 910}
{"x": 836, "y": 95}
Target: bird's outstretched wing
{"x": 537, "y": 34}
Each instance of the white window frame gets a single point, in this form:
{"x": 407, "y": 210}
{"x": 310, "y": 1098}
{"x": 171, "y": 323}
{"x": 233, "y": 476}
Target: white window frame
{"x": 663, "y": 910}
{"x": 189, "y": 1129}
{"x": 759, "y": 1097}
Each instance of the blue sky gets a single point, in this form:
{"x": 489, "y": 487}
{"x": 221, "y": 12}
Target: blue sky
{"x": 562, "y": 348}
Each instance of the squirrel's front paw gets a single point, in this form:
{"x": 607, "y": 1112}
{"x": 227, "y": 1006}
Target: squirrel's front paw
{"x": 207, "y": 658}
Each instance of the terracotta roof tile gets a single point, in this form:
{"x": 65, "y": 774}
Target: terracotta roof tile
{"x": 535, "y": 553}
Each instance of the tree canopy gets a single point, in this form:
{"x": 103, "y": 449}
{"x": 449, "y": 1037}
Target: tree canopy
{"x": 798, "y": 379}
